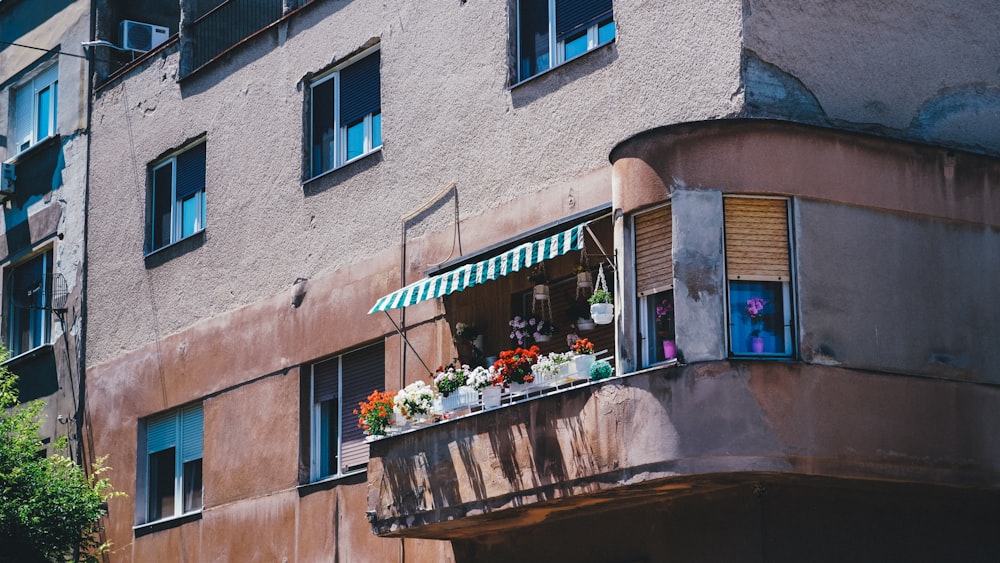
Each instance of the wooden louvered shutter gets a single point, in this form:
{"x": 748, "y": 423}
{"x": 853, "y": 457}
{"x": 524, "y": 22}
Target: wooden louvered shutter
{"x": 325, "y": 380}
{"x": 363, "y": 372}
{"x": 757, "y": 239}
{"x": 654, "y": 266}
{"x": 191, "y": 432}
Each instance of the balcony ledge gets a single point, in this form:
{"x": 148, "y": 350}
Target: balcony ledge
{"x": 676, "y": 431}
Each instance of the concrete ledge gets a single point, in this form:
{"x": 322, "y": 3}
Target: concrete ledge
{"x": 679, "y": 431}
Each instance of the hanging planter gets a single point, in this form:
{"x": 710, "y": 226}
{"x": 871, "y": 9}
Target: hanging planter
{"x": 584, "y": 280}
{"x": 602, "y": 308}
{"x": 541, "y": 292}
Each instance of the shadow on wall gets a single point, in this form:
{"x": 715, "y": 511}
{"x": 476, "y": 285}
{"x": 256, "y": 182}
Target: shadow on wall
{"x": 21, "y": 17}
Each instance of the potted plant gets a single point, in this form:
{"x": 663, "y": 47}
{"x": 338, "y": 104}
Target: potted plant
{"x": 540, "y": 282}
{"x": 514, "y": 366}
{"x": 543, "y": 329}
{"x": 521, "y": 332}
{"x": 665, "y": 328}
{"x": 754, "y": 310}
{"x": 486, "y": 381}
{"x": 375, "y": 414}
{"x": 414, "y": 401}
{"x": 602, "y": 308}
{"x": 583, "y": 350}
{"x": 452, "y": 384}
{"x": 580, "y": 310}
{"x": 548, "y": 368}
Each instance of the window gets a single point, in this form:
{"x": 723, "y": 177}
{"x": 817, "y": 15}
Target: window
{"x": 654, "y": 280}
{"x": 337, "y": 386}
{"x": 171, "y": 466}
{"x": 551, "y": 32}
{"x": 28, "y": 290}
{"x": 35, "y": 109}
{"x": 758, "y": 272}
{"x": 346, "y": 114}
{"x": 177, "y": 205}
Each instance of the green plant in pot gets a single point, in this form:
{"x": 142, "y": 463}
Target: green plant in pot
{"x": 602, "y": 308}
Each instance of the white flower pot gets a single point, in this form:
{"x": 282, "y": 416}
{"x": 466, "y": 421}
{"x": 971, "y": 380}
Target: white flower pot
{"x": 543, "y": 338}
{"x": 584, "y": 280}
{"x": 461, "y": 398}
{"x": 491, "y": 397}
{"x": 585, "y": 324}
{"x": 581, "y": 366}
{"x": 602, "y": 313}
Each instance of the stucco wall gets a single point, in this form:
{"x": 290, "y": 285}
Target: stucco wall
{"x": 898, "y": 292}
{"x": 921, "y": 70}
{"x": 448, "y": 116}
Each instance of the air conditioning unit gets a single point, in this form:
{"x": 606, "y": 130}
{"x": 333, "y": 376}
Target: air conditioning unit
{"x": 7, "y": 178}
{"x": 138, "y": 36}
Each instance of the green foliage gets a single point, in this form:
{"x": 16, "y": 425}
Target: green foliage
{"x": 601, "y": 296}
{"x": 49, "y": 507}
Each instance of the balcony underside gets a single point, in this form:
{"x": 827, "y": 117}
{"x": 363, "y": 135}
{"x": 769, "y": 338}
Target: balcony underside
{"x": 671, "y": 433}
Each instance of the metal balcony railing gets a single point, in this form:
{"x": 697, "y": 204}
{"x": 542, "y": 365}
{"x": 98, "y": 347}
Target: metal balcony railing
{"x": 228, "y": 24}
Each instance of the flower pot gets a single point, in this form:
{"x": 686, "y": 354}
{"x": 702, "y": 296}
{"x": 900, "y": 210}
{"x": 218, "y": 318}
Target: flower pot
{"x": 491, "y": 397}
{"x": 585, "y": 324}
{"x": 543, "y": 338}
{"x": 460, "y": 398}
{"x": 541, "y": 292}
{"x": 584, "y": 280}
{"x": 602, "y": 313}
{"x": 581, "y": 366}
{"x": 479, "y": 342}
{"x": 669, "y": 349}
{"x": 757, "y": 344}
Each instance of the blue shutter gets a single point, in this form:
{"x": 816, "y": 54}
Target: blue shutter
{"x": 575, "y": 15}
{"x": 190, "y": 171}
{"x": 161, "y": 432}
{"x": 191, "y": 432}
{"x": 360, "y": 90}
{"x": 364, "y": 371}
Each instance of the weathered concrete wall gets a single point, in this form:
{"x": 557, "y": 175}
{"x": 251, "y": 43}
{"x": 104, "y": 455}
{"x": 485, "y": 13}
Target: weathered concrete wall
{"x": 49, "y": 212}
{"x": 448, "y": 117}
{"x": 920, "y": 70}
{"x": 898, "y": 292}
{"x": 654, "y": 434}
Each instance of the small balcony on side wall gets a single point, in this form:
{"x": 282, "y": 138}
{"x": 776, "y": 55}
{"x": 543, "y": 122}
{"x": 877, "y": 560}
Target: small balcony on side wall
{"x": 676, "y": 431}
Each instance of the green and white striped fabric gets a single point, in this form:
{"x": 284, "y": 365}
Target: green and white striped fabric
{"x": 515, "y": 259}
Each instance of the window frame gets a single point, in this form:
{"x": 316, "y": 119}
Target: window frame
{"x": 318, "y": 440}
{"x": 41, "y": 316}
{"x": 787, "y": 291}
{"x": 557, "y": 47}
{"x": 44, "y": 79}
{"x": 177, "y": 207}
{"x": 371, "y": 122}
{"x": 179, "y": 443}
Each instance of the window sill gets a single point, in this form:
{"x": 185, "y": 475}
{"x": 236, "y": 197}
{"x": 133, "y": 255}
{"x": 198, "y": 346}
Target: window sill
{"x": 30, "y": 151}
{"x": 359, "y": 158}
{"x": 561, "y": 65}
{"x": 34, "y": 352}
{"x": 181, "y": 246}
{"x": 326, "y": 483}
{"x": 165, "y": 524}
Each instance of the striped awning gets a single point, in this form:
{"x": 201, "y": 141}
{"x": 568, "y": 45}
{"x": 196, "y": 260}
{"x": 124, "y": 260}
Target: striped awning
{"x": 463, "y": 277}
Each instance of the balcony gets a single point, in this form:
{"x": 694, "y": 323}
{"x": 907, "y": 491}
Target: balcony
{"x": 669, "y": 433}
{"x": 228, "y": 24}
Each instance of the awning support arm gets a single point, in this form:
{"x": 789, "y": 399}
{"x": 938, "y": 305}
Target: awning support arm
{"x": 604, "y": 253}
{"x": 403, "y": 336}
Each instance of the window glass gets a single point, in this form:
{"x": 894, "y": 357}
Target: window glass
{"x": 178, "y": 197}
{"x": 192, "y": 485}
{"x": 660, "y": 328}
{"x": 328, "y": 437}
{"x": 758, "y": 318}
{"x": 606, "y": 32}
{"x": 533, "y": 31}
{"x": 161, "y": 484}
{"x": 355, "y": 140}
{"x": 44, "y": 102}
{"x": 28, "y": 292}
{"x": 377, "y": 130}
{"x": 323, "y": 127}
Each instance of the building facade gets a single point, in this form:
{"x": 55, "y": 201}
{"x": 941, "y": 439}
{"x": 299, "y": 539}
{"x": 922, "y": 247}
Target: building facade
{"x": 43, "y": 123}
{"x": 269, "y": 171}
